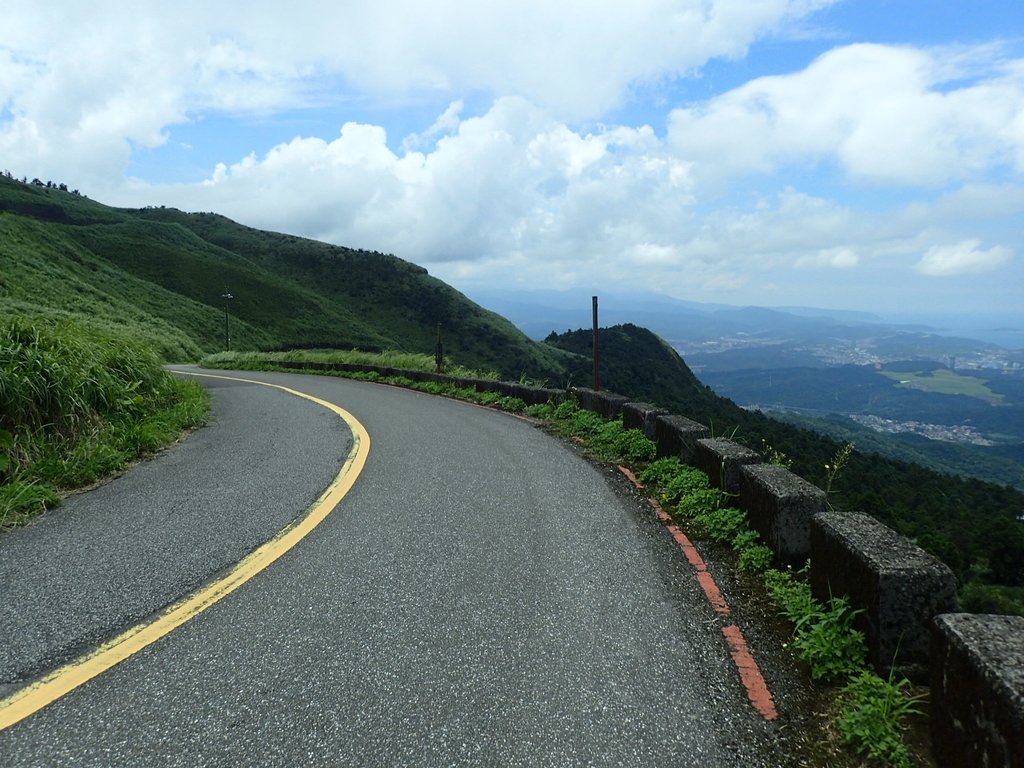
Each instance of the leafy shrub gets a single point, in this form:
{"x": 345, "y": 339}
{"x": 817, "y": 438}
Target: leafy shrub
{"x": 634, "y": 445}
{"x": 685, "y": 483}
{"x": 792, "y": 596}
{"x": 661, "y": 472}
{"x": 754, "y": 557}
{"x": 566, "y": 409}
{"x": 540, "y": 411}
{"x": 723, "y": 524}
{"x": 512, "y": 404}
{"x": 828, "y": 642}
{"x": 612, "y": 441}
{"x": 825, "y": 637}
{"x": 584, "y": 423}
{"x": 871, "y": 718}
{"x": 697, "y": 503}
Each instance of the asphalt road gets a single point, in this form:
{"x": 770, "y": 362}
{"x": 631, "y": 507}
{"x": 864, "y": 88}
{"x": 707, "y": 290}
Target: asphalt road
{"x": 482, "y": 596}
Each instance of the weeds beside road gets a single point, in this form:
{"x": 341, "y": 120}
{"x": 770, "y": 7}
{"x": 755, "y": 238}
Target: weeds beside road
{"x": 871, "y": 713}
{"x": 77, "y": 405}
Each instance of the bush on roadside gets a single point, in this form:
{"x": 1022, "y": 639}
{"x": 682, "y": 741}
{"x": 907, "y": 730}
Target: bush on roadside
{"x": 76, "y": 405}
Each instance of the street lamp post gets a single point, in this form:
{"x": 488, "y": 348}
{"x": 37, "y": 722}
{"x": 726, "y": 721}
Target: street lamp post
{"x": 227, "y": 322}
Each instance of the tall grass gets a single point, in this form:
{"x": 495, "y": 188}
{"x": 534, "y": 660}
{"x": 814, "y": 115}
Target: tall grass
{"x": 77, "y": 404}
{"x": 410, "y": 361}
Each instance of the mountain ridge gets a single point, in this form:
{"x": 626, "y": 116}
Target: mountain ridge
{"x": 164, "y": 273}
{"x": 161, "y": 273}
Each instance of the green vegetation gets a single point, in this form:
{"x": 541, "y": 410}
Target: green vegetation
{"x": 606, "y": 440}
{"x": 77, "y": 405}
{"x": 873, "y": 717}
{"x": 409, "y": 361}
{"x": 991, "y": 403}
{"x": 835, "y": 468}
{"x": 1002, "y": 464}
{"x": 946, "y": 382}
{"x": 824, "y": 634}
{"x": 159, "y": 275}
{"x": 975, "y": 527}
{"x": 687, "y": 493}
{"x": 874, "y": 712}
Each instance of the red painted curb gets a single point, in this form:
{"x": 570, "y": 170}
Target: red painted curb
{"x": 750, "y": 675}
{"x": 753, "y": 681}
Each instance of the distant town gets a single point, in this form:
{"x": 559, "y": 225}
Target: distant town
{"x": 952, "y": 434}
{"x": 872, "y": 351}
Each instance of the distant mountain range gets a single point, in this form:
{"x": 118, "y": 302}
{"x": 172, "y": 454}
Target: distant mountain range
{"x": 955, "y": 404}
{"x": 700, "y": 331}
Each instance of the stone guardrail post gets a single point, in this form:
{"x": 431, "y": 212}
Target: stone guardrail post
{"x": 779, "y": 506}
{"x": 677, "y": 436}
{"x": 722, "y": 461}
{"x": 977, "y": 690}
{"x": 899, "y": 587}
{"x": 642, "y": 416}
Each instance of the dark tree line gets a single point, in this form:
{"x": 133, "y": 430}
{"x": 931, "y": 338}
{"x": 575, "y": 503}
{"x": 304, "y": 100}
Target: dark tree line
{"x": 36, "y": 182}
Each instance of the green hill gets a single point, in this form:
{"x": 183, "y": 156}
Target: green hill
{"x": 972, "y": 525}
{"x": 160, "y": 274}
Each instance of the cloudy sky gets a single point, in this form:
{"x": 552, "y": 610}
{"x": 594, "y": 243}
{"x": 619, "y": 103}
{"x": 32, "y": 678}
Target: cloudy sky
{"x": 858, "y": 154}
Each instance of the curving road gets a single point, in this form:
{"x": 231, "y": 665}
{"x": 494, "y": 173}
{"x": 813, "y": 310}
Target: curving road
{"x": 482, "y": 596}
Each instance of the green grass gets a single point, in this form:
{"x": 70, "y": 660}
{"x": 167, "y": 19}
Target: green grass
{"x": 945, "y": 382}
{"x": 76, "y": 405}
{"x": 159, "y": 274}
{"x": 410, "y": 361}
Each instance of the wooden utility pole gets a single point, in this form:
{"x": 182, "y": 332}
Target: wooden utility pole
{"x": 597, "y": 352}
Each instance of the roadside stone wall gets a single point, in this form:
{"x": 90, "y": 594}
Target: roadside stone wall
{"x": 975, "y": 663}
{"x": 677, "y": 436}
{"x": 977, "y": 690}
{"x": 723, "y": 461}
{"x": 899, "y": 587}
{"x": 780, "y": 506}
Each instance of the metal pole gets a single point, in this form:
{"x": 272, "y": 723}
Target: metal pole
{"x": 439, "y": 352}
{"x": 597, "y": 352}
{"x": 227, "y": 322}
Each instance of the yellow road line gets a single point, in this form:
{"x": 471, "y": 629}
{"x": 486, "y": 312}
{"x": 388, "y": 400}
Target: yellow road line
{"x": 62, "y": 681}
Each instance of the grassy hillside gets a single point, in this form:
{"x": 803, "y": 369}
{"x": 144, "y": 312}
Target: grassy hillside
{"x": 972, "y": 525}
{"x": 160, "y": 273}
{"x": 77, "y": 405}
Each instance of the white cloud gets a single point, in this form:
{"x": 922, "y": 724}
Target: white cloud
{"x": 839, "y": 257}
{"x": 85, "y": 82}
{"x": 886, "y": 115}
{"x": 445, "y": 124}
{"x": 962, "y": 258}
{"x": 533, "y": 189}
{"x": 511, "y": 181}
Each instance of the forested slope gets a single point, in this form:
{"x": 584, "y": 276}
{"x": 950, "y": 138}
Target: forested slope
{"x": 161, "y": 273}
{"x": 972, "y": 525}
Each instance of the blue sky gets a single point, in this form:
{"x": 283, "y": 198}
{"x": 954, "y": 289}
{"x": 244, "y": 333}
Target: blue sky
{"x": 860, "y": 155}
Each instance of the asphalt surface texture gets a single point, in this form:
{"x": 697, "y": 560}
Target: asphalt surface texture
{"x": 482, "y": 596}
